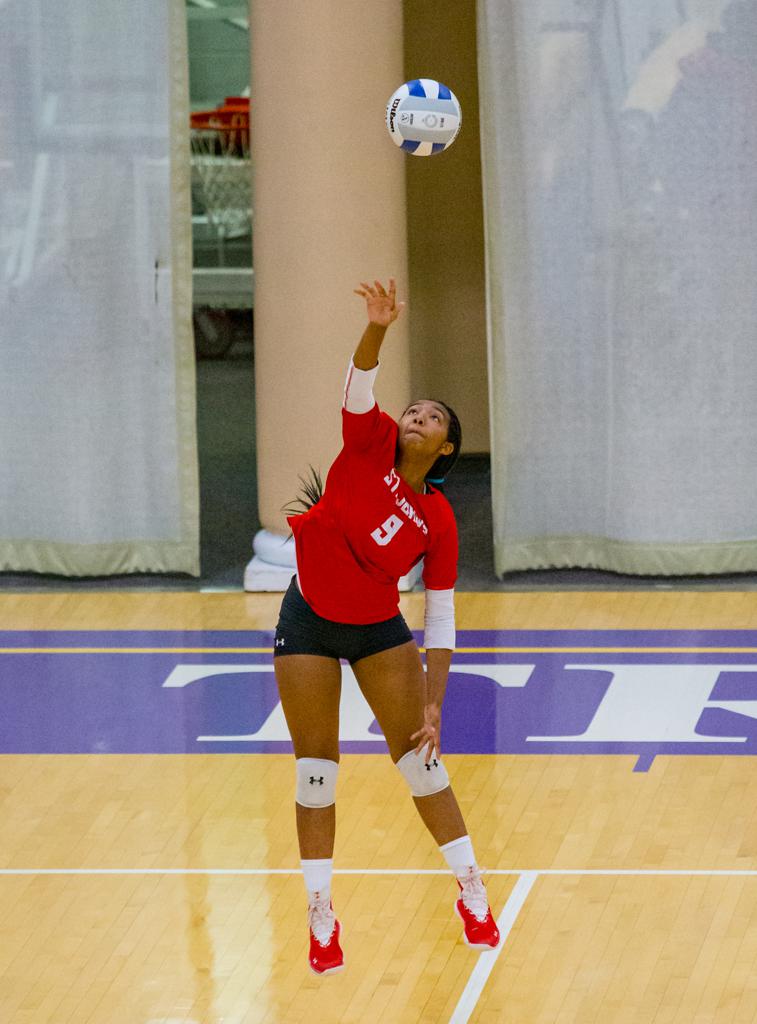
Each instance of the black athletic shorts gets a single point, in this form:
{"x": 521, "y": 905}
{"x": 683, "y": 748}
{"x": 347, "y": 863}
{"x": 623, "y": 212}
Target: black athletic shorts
{"x": 301, "y": 631}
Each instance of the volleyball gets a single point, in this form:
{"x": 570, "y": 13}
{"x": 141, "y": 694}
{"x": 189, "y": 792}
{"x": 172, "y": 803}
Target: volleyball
{"x": 423, "y": 117}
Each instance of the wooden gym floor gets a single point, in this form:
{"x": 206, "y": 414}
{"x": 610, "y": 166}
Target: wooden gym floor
{"x": 605, "y": 769}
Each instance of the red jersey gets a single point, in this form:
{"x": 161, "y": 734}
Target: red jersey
{"x": 370, "y": 528}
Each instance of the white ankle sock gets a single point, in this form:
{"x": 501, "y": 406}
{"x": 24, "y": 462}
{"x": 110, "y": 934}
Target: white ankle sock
{"x": 317, "y": 875}
{"x": 459, "y": 854}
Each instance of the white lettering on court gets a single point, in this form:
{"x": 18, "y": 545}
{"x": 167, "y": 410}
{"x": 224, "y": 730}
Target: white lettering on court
{"x": 643, "y": 703}
{"x": 657, "y": 704}
{"x": 355, "y": 717}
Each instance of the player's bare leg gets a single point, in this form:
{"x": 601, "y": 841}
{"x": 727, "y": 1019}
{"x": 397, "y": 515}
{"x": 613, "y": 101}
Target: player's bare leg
{"x": 393, "y": 682}
{"x": 310, "y": 688}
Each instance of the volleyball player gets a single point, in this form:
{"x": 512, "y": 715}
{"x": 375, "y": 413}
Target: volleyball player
{"x": 380, "y": 513}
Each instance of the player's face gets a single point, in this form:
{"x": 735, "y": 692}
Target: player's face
{"x": 423, "y": 427}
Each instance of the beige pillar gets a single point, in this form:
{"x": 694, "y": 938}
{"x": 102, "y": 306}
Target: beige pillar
{"x": 446, "y": 253}
{"x": 328, "y": 211}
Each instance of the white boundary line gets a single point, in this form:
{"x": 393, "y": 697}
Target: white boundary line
{"x": 486, "y": 961}
{"x": 698, "y": 872}
{"x": 505, "y": 922}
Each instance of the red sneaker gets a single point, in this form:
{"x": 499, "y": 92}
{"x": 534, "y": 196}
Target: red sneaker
{"x": 326, "y": 955}
{"x": 481, "y": 930}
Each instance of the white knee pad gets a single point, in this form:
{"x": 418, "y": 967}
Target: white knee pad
{"x": 423, "y": 779}
{"x": 316, "y": 782}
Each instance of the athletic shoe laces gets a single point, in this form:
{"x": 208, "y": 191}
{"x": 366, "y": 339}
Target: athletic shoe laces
{"x": 321, "y": 919}
{"x": 473, "y": 893}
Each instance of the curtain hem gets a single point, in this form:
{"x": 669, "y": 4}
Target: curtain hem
{"x": 98, "y": 559}
{"x": 626, "y": 557}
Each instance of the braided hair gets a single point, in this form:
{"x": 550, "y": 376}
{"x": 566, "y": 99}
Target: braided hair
{"x": 310, "y": 494}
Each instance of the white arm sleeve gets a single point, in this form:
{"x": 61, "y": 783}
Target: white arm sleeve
{"x": 440, "y": 619}
{"x": 358, "y": 389}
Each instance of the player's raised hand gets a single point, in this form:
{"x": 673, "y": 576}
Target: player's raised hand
{"x": 381, "y": 305}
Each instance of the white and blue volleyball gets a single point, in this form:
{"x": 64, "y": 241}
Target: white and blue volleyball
{"x": 423, "y": 117}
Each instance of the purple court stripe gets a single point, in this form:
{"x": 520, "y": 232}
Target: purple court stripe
{"x": 548, "y": 692}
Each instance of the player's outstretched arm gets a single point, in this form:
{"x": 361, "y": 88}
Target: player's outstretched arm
{"x": 383, "y": 309}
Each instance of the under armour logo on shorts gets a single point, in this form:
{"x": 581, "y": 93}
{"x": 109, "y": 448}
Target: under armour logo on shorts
{"x": 313, "y": 780}
{"x": 432, "y": 764}
{"x": 280, "y": 643}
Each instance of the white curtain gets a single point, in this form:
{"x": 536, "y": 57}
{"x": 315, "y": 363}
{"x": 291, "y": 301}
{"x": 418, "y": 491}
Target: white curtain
{"x": 620, "y": 178}
{"x": 98, "y": 468}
